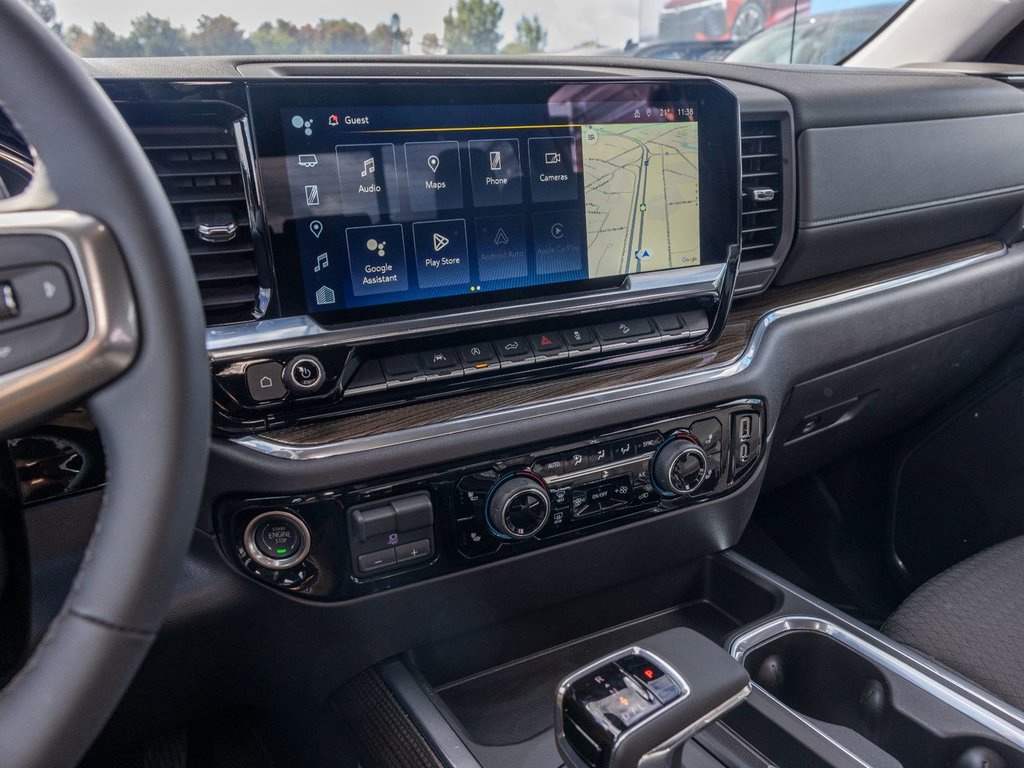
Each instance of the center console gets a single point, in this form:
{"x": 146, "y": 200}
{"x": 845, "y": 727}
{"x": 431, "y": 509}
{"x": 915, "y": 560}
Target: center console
{"x": 594, "y": 682}
{"x": 476, "y": 233}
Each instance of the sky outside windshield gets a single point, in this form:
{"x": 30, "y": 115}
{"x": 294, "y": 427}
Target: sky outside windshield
{"x": 568, "y": 24}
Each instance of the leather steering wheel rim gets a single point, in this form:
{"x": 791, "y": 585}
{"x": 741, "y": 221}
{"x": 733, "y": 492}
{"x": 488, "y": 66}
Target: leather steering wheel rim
{"x": 154, "y": 417}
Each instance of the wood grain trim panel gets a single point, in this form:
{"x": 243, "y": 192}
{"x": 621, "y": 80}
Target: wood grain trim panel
{"x": 734, "y": 340}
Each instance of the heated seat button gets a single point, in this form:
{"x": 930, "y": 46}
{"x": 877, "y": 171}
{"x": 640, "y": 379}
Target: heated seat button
{"x": 709, "y": 433}
{"x": 264, "y": 381}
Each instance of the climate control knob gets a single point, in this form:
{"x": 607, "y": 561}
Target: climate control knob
{"x": 518, "y": 507}
{"x": 680, "y": 466}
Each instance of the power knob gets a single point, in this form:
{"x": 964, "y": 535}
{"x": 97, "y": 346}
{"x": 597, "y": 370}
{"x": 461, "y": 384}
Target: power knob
{"x": 679, "y": 466}
{"x": 518, "y": 507}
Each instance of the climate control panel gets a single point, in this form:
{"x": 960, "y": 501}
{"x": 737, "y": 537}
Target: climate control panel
{"x": 347, "y": 542}
{"x": 548, "y": 495}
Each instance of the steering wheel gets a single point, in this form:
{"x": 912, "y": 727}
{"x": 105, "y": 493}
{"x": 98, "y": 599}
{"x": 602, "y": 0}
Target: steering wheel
{"x": 131, "y": 347}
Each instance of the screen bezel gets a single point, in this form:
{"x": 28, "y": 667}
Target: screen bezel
{"x": 718, "y": 153}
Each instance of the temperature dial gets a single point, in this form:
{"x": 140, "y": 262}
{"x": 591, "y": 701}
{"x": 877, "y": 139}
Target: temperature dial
{"x": 518, "y": 507}
{"x": 680, "y": 466}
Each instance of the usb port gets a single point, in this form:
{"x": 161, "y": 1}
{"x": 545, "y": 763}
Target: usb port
{"x": 746, "y": 426}
{"x": 744, "y": 452}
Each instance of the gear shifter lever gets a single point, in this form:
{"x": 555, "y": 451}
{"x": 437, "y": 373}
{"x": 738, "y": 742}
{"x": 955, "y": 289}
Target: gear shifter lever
{"x": 639, "y": 706}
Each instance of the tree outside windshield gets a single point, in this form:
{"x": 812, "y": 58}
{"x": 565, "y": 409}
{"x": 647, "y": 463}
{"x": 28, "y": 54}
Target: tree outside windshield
{"x": 766, "y": 31}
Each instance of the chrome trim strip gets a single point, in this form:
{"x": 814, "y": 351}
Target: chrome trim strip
{"x": 902, "y": 653}
{"x": 764, "y": 633}
{"x": 112, "y": 337}
{"x": 16, "y": 160}
{"x": 254, "y": 207}
{"x": 282, "y": 450}
{"x": 266, "y": 337}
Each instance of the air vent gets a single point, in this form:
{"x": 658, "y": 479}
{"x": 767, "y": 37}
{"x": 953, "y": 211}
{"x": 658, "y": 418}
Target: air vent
{"x": 193, "y": 150}
{"x": 762, "y": 187}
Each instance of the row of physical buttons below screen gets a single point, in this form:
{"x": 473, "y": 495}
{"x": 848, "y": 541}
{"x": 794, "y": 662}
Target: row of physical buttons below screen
{"x": 411, "y": 367}
{"x": 368, "y": 174}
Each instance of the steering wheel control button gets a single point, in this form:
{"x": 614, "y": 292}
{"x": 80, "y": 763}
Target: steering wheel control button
{"x": 32, "y": 294}
{"x": 264, "y": 381}
{"x": 276, "y": 540}
{"x": 304, "y": 375}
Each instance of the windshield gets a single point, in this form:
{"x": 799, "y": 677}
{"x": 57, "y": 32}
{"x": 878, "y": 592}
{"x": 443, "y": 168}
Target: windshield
{"x": 773, "y": 31}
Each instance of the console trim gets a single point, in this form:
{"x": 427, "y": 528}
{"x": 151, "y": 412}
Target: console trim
{"x": 879, "y": 653}
{"x": 278, "y": 449}
{"x": 422, "y": 710}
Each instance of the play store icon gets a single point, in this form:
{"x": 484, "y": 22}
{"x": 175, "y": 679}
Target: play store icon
{"x": 440, "y": 241}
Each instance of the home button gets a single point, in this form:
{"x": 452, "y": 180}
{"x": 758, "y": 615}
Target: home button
{"x": 264, "y": 381}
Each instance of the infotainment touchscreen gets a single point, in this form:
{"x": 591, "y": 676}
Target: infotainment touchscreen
{"x": 396, "y": 198}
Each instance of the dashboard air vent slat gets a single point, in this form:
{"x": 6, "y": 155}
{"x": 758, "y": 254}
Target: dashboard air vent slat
{"x": 762, "y": 186}
{"x": 192, "y": 149}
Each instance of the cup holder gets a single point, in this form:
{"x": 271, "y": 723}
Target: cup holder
{"x": 813, "y": 669}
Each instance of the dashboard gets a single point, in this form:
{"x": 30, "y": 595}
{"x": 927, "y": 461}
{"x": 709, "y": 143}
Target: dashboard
{"x": 477, "y": 325}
